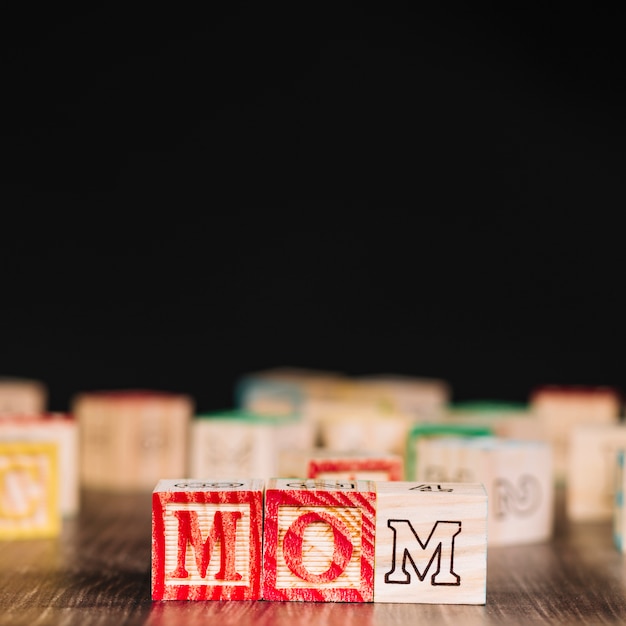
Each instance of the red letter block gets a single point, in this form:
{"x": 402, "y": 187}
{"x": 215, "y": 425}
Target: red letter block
{"x": 319, "y": 540}
{"x": 206, "y": 540}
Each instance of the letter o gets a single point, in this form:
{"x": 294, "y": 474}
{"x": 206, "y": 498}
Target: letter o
{"x": 342, "y": 552}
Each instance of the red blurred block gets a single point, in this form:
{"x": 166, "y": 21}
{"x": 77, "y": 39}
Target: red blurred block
{"x": 354, "y": 466}
{"x": 319, "y": 540}
{"x": 206, "y": 540}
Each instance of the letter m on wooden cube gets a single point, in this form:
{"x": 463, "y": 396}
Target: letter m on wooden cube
{"x": 431, "y": 543}
{"x": 206, "y": 540}
{"x": 319, "y": 540}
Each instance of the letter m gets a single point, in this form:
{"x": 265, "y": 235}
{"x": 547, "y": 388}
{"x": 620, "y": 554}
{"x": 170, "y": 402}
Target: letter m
{"x": 223, "y": 531}
{"x": 409, "y": 548}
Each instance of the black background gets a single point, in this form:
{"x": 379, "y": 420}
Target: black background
{"x": 187, "y": 197}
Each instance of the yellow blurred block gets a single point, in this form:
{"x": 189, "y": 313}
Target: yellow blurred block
{"x": 29, "y": 505}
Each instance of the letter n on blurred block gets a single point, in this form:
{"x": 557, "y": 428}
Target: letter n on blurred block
{"x": 206, "y": 540}
{"x": 29, "y": 505}
{"x": 319, "y": 540}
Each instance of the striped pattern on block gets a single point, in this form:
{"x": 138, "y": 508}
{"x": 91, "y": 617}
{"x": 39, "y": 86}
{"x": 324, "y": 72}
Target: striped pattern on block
{"x": 319, "y": 540}
{"x": 206, "y": 540}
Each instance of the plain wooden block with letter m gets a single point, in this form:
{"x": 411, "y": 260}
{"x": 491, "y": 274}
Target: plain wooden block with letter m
{"x": 431, "y": 543}
{"x": 206, "y": 540}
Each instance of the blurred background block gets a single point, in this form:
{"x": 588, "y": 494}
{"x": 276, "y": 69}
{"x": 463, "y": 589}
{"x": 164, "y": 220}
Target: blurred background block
{"x": 517, "y": 476}
{"x": 29, "y": 490}
{"x": 21, "y": 396}
{"x": 131, "y": 439}
{"x": 61, "y": 430}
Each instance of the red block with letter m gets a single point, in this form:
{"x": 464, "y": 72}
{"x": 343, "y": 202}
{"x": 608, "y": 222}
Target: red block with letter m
{"x": 206, "y": 540}
{"x": 319, "y": 540}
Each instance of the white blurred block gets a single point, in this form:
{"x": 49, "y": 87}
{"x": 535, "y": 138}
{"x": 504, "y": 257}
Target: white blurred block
{"x": 283, "y": 390}
{"x": 360, "y": 426}
{"x": 517, "y": 476}
{"x": 422, "y": 398}
{"x": 61, "y": 430}
{"x": 560, "y": 408}
{"x": 590, "y": 484}
{"x": 240, "y": 443}
{"x": 509, "y": 420}
{"x": 129, "y": 440}
{"x": 21, "y": 396}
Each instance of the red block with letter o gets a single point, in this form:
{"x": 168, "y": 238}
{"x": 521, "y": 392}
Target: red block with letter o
{"x": 206, "y": 540}
{"x": 319, "y": 540}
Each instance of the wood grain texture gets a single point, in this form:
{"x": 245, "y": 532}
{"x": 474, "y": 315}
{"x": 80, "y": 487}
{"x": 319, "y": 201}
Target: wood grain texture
{"x": 319, "y": 540}
{"x": 97, "y": 573}
{"x": 431, "y": 543}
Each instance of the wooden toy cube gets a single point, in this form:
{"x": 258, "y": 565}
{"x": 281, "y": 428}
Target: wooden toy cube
{"x": 425, "y": 431}
{"x": 22, "y": 396}
{"x": 241, "y": 443}
{"x": 319, "y": 540}
{"x": 62, "y": 430}
{"x": 431, "y": 543}
{"x": 422, "y": 398}
{"x": 284, "y": 390}
{"x": 29, "y": 506}
{"x": 590, "y": 479}
{"x": 619, "y": 519}
{"x": 560, "y": 408}
{"x": 504, "y": 419}
{"x": 517, "y": 476}
{"x": 206, "y": 539}
{"x": 130, "y": 439}
{"x": 358, "y": 424}
{"x": 327, "y": 464}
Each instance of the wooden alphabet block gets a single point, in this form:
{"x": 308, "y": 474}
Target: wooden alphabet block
{"x": 431, "y": 543}
{"x": 206, "y": 540}
{"x": 505, "y": 419}
{"x": 22, "y": 396}
{"x": 130, "y": 439}
{"x": 420, "y": 433}
{"x": 327, "y": 464}
{"x": 590, "y": 482}
{"x": 561, "y": 408}
{"x": 619, "y": 519}
{"x": 319, "y": 540}
{"x": 285, "y": 390}
{"x": 240, "y": 443}
{"x": 29, "y": 506}
{"x": 422, "y": 398}
{"x": 358, "y": 424}
{"x": 61, "y": 430}
{"x": 517, "y": 476}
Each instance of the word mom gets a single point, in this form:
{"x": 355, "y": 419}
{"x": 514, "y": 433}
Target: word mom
{"x": 321, "y": 541}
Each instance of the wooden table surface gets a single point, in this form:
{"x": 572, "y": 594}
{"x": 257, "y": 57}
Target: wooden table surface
{"x": 98, "y": 572}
